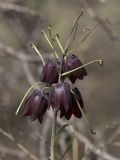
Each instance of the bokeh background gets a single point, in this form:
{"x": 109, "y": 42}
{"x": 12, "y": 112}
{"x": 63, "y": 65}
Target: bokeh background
{"x": 21, "y": 23}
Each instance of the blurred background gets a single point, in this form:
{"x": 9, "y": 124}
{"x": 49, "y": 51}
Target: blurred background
{"x": 21, "y": 23}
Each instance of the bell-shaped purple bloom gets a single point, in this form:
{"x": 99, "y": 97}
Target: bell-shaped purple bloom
{"x": 60, "y": 96}
{"x": 71, "y": 63}
{"x": 74, "y": 108}
{"x": 50, "y": 72}
{"x": 36, "y": 105}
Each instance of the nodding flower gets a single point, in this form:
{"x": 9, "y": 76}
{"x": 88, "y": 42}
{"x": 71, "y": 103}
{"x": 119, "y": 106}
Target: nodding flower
{"x": 71, "y": 63}
{"x": 50, "y": 73}
{"x": 36, "y": 105}
{"x": 60, "y": 96}
{"x": 74, "y": 107}
{"x": 64, "y": 99}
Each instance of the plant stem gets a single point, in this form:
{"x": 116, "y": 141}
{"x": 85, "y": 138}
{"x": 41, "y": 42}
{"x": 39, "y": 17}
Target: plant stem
{"x": 51, "y": 45}
{"x": 52, "y": 147}
{"x": 38, "y": 52}
{"x": 54, "y": 125}
{"x": 58, "y": 41}
{"x": 73, "y": 70}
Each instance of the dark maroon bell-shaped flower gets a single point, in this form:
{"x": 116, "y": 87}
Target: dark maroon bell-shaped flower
{"x": 71, "y": 63}
{"x": 50, "y": 72}
{"x": 60, "y": 96}
{"x": 36, "y": 105}
{"x": 74, "y": 108}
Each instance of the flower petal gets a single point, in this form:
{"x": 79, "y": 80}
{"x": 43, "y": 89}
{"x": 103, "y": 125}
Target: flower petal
{"x": 28, "y": 103}
{"x": 60, "y": 96}
{"x": 78, "y": 96}
{"x": 36, "y": 107}
{"x": 71, "y": 63}
{"x": 49, "y": 72}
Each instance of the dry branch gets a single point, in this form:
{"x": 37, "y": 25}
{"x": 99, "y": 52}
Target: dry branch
{"x": 12, "y": 152}
{"x": 88, "y": 143}
{"x": 17, "y": 54}
{"x": 80, "y": 136}
{"x": 25, "y": 152}
{"x": 94, "y": 16}
{"x": 5, "y": 6}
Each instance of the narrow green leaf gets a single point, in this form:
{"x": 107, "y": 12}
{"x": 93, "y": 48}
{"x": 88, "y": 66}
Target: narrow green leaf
{"x": 59, "y": 44}
{"x": 83, "y": 114}
{"x": 18, "y": 109}
{"x": 100, "y": 62}
{"x": 70, "y": 143}
{"x": 38, "y": 52}
{"x": 60, "y": 130}
{"x": 50, "y": 42}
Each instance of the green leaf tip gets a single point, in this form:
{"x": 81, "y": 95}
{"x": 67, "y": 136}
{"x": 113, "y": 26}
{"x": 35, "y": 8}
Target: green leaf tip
{"x": 38, "y": 52}
{"x": 59, "y": 43}
{"x": 50, "y": 27}
{"x": 100, "y": 62}
{"x": 20, "y": 105}
{"x": 59, "y": 132}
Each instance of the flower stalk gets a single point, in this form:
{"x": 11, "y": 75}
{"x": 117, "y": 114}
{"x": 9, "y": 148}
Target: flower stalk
{"x": 74, "y": 27}
{"x": 52, "y": 147}
{"x": 73, "y": 70}
{"x": 58, "y": 41}
{"x": 54, "y": 127}
{"x": 50, "y": 43}
{"x": 38, "y": 52}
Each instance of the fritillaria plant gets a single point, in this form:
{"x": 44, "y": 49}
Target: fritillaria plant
{"x": 57, "y": 93}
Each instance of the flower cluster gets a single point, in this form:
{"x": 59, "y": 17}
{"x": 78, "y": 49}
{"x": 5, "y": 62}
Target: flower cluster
{"x": 60, "y": 96}
{"x": 57, "y": 94}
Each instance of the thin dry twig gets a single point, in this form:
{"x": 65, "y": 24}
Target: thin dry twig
{"x": 12, "y": 152}
{"x": 45, "y": 131}
{"x": 63, "y": 146}
{"x": 88, "y": 143}
{"x": 94, "y": 16}
{"x": 5, "y": 6}
{"x": 17, "y": 54}
{"x": 114, "y": 136}
{"x": 27, "y": 72}
{"x": 111, "y": 125}
{"x": 74, "y": 29}
{"x": 20, "y": 146}
{"x": 27, "y": 152}
{"x": 6, "y": 134}
{"x": 75, "y": 147}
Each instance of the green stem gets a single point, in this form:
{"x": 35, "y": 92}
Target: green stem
{"x": 80, "y": 35}
{"x": 91, "y": 129}
{"x": 82, "y": 40}
{"x": 35, "y": 48}
{"x": 74, "y": 27}
{"x": 86, "y": 121}
{"x": 52, "y": 154}
{"x": 50, "y": 44}
{"x": 52, "y": 147}
{"x": 58, "y": 41}
{"x": 73, "y": 70}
